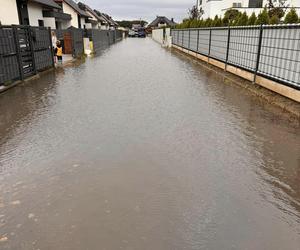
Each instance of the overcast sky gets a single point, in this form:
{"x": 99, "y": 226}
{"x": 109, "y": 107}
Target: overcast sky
{"x": 145, "y": 9}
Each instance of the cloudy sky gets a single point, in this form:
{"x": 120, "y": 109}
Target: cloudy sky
{"x": 145, "y": 9}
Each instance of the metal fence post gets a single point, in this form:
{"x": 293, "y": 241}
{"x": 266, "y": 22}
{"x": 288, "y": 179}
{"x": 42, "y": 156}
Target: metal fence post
{"x": 51, "y": 47}
{"x": 228, "y": 46}
{"x": 182, "y": 38}
{"x": 210, "y": 31}
{"x": 18, "y": 52}
{"x": 189, "y": 46}
{"x": 198, "y": 32}
{"x": 258, "y": 52}
{"x": 30, "y": 34}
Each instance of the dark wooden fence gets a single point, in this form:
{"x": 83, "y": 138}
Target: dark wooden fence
{"x": 24, "y": 51}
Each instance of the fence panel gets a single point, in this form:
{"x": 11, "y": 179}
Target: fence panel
{"x": 203, "y": 44}
{"x": 9, "y": 66}
{"x": 185, "y": 40}
{"x": 77, "y": 42}
{"x": 269, "y": 51}
{"x": 280, "y": 58}
{"x": 243, "y": 47}
{"x": 193, "y": 40}
{"x": 42, "y": 48}
{"x": 218, "y": 47}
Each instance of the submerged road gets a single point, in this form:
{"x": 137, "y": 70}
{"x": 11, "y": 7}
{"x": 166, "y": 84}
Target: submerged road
{"x": 140, "y": 148}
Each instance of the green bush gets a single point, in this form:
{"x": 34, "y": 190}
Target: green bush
{"x": 242, "y": 20}
{"x": 274, "y": 20}
{"x": 263, "y": 17}
{"x": 291, "y": 17}
{"x": 252, "y": 19}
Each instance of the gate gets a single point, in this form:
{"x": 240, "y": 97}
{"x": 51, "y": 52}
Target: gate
{"x": 67, "y": 43}
{"x": 24, "y": 45}
{"x": 24, "y": 51}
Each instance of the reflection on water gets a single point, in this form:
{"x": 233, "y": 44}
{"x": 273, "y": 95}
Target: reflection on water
{"x": 145, "y": 152}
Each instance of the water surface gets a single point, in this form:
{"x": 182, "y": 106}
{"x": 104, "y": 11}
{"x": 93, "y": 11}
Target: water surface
{"x": 141, "y": 148}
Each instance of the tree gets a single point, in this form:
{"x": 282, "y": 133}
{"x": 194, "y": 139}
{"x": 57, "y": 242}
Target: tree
{"x": 242, "y": 20}
{"x": 208, "y": 22}
{"x": 231, "y": 15}
{"x": 217, "y": 22}
{"x": 278, "y": 10}
{"x": 263, "y": 17}
{"x": 194, "y": 13}
{"x": 252, "y": 19}
{"x": 291, "y": 17}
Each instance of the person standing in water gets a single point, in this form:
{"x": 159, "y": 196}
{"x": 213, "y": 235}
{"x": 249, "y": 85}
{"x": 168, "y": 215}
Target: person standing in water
{"x": 58, "y": 52}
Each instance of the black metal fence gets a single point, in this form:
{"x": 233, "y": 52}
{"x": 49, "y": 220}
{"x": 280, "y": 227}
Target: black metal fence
{"x": 272, "y": 51}
{"x": 103, "y": 38}
{"x": 24, "y": 51}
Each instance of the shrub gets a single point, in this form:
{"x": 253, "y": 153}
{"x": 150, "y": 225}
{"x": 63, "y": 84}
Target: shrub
{"x": 291, "y": 17}
{"x": 242, "y": 20}
{"x": 263, "y": 17}
{"x": 252, "y": 19}
{"x": 274, "y": 20}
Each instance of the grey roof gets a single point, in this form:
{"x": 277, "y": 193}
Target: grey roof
{"x": 76, "y": 8}
{"x": 89, "y": 9}
{"x": 161, "y": 19}
{"x": 110, "y": 20}
{"x": 48, "y": 3}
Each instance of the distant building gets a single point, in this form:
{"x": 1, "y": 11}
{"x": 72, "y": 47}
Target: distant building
{"x": 162, "y": 21}
{"x": 95, "y": 21}
{"x": 211, "y": 8}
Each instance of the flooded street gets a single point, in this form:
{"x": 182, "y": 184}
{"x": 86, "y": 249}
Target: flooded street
{"x": 141, "y": 148}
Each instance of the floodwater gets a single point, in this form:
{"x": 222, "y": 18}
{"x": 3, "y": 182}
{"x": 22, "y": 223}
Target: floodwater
{"x": 141, "y": 148}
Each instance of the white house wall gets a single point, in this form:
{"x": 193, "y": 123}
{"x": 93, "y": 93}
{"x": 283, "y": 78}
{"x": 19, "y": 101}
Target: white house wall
{"x": 74, "y": 21}
{"x": 219, "y": 7}
{"x": 8, "y": 12}
{"x": 49, "y": 22}
{"x": 35, "y": 13}
{"x": 83, "y": 24}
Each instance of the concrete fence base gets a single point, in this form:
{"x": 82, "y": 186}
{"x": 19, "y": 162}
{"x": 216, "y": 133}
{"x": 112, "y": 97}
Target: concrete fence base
{"x": 283, "y": 90}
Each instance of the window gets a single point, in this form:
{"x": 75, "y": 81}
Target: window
{"x": 41, "y": 23}
{"x": 236, "y": 5}
{"x": 255, "y": 3}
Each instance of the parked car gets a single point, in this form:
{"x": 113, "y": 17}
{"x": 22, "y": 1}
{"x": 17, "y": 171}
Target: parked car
{"x": 141, "y": 32}
{"x": 132, "y": 33}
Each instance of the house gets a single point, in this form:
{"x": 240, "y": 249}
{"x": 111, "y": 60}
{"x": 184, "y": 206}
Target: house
{"x": 32, "y": 12}
{"x": 211, "y": 8}
{"x": 162, "y": 21}
{"x": 112, "y": 24}
{"x": 78, "y": 16}
{"x": 9, "y": 12}
{"x": 95, "y": 21}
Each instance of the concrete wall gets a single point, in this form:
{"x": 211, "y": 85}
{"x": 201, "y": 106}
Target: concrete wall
{"x": 158, "y": 36}
{"x": 8, "y": 12}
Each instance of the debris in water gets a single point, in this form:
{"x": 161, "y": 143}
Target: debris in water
{"x": 3, "y": 239}
{"x": 17, "y": 202}
{"x": 31, "y": 216}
